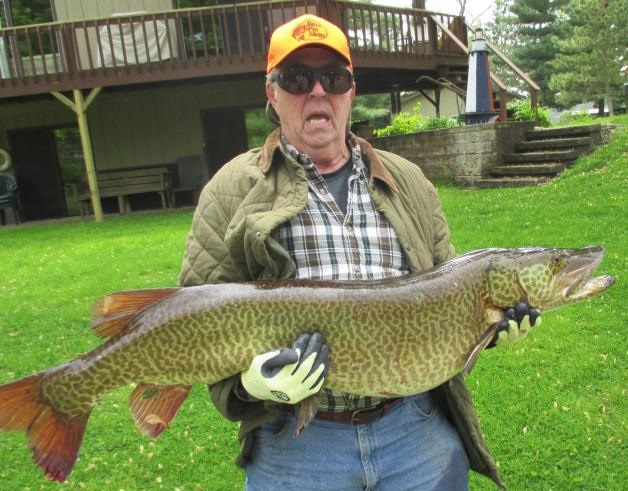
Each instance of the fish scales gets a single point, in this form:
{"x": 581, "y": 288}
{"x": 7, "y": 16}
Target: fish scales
{"x": 391, "y": 337}
{"x": 203, "y": 335}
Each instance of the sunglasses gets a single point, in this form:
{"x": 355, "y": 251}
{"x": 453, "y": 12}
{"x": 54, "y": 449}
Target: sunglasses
{"x": 300, "y": 79}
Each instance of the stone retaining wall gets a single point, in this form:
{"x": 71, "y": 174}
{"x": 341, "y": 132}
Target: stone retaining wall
{"x": 463, "y": 154}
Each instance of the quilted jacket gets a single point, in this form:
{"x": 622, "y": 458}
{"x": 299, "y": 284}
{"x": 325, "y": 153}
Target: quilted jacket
{"x": 231, "y": 240}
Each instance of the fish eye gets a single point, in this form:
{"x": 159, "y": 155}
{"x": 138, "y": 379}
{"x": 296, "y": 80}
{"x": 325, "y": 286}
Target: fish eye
{"x": 556, "y": 260}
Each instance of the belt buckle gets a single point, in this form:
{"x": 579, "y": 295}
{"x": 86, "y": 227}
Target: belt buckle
{"x": 365, "y": 410}
{"x": 354, "y": 415}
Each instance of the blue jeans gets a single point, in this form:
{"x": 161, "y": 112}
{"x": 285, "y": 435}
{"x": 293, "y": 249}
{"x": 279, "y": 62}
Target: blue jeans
{"x": 413, "y": 447}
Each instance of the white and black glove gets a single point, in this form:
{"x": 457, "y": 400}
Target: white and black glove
{"x": 519, "y": 320}
{"x": 289, "y": 375}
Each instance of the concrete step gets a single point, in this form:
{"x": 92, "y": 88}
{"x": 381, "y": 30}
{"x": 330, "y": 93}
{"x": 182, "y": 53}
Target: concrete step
{"x": 545, "y": 153}
{"x": 544, "y": 169}
{"x": 510, "y": 182}
{"x": 548, "y": 156}
{"x": 550, "y": 144}
{"x": 566, "y": 132}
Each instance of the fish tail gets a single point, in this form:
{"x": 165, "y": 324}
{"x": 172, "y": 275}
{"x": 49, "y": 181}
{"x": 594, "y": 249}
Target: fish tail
{"x": 53, "y": 438}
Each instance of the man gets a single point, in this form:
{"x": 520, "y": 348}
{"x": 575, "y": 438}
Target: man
{"x": 318, "y": 202}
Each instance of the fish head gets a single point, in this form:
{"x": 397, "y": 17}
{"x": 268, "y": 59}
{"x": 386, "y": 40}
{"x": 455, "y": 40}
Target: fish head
{"x": 546, "y": 278}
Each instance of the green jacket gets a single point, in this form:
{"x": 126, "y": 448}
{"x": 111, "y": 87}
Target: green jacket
{"x": 231, "y": 240}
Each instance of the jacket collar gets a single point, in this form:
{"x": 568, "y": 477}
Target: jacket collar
{"x": 370, "y": 157}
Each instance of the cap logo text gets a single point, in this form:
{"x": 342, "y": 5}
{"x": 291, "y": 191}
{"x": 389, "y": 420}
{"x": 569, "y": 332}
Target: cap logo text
{"x": 309, "y": 31}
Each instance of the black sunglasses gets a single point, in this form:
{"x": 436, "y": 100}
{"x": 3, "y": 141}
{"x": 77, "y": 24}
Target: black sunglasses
{"x": 300, "y": 79}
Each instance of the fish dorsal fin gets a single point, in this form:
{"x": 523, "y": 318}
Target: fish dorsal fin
{"x": 154, "y": 406}
{"x": 484, "y": 341}
{"x": 112, "y": 313}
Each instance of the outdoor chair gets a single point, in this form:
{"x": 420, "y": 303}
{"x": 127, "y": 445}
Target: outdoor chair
{"x": 191, "y": 177}
{"x": 8, "y": 197}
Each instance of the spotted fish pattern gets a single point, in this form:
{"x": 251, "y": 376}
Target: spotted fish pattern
{"x": 390, "y": 337}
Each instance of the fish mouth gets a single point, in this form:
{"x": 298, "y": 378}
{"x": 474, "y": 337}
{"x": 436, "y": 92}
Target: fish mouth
{"x": 577, "y": 281}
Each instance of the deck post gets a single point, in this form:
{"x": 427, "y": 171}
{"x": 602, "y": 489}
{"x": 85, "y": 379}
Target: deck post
{"x": 79, "y": 106}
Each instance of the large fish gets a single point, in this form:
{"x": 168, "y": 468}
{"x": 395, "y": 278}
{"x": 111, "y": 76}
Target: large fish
{"x": 392, "y": 337}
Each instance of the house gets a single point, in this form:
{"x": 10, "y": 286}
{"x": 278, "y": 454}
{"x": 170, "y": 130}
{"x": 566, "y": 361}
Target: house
{"x": 438, "y": 102}
{"x": 151, "y": 85}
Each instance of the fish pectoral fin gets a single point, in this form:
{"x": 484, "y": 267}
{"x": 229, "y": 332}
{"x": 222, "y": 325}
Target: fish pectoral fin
{"x": 112, "y": 313}
{"x": 480, "y": 346}
{"x": 154, "y": 406}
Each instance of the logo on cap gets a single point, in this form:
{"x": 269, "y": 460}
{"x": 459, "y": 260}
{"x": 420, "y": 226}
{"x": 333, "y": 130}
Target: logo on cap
{"x": 309, "y": 31}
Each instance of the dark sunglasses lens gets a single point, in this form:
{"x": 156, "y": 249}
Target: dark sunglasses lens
{"x": 336, "y": 81}
{"x": 300, "y": 80}
{"x": 295, "y": 80}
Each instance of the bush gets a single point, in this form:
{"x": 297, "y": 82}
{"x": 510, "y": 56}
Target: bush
{"x": 522, "y": 111}
{"x": 576, "y": 117}
{"x": 405, "y": 123}
{"x": 257, "y": 127}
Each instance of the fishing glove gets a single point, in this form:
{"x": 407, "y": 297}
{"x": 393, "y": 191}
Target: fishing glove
{"x": 519, "y": 320}
{"x": 289, "y": 375}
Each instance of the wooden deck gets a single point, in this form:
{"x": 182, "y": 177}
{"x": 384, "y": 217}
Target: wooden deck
{"x": 390, "y": 46}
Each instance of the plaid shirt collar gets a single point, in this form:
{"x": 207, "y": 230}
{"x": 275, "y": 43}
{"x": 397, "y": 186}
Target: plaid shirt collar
{"x": 304, "y": 159}
{"x": 366, "y": 153}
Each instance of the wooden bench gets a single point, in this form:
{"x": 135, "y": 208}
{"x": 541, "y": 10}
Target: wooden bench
{"x": 123, "y": 183}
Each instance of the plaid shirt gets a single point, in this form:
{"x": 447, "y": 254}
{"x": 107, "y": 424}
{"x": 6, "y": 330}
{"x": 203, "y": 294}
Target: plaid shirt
{"x": 325, "y": 244}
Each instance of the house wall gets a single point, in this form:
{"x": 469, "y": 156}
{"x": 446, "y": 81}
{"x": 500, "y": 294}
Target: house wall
{"x": 33, "y": 113}
{"x": 67, "y": 10}
{"x": 90, "y": 9}
{"x": 139, "y": 127}
{"x": 158, "y": 126}
{"x": 451, "y": 104}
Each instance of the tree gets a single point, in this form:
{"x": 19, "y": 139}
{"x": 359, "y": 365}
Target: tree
{"x": 501, "y": 28}
{"x": 501, "y": 32}
{"x": 588, "y": 65}
{"x": 26, "y": 12}
{"x": 370, "y": 107}
{"x": 462, "y": 7}
{"x": 538, "y": 27}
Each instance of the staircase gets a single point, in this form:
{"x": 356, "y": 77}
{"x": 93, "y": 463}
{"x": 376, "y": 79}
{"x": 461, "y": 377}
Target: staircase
{"x": 544, "y": 153}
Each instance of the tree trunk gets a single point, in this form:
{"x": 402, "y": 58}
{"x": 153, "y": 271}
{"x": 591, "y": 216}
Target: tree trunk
{"x": 608, "y": 97}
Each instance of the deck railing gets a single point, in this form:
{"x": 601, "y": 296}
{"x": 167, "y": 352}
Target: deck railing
{"x": 183, "y": 43}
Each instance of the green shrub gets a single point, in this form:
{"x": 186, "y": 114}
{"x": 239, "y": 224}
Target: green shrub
{"x": 576, "y": 117}
{"x": 405, "y": 123}
{"x": 257, "y": 127}
{"x": 522, "y": 111}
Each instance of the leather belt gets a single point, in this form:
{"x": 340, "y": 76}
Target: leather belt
{"x": 357, "y": 417}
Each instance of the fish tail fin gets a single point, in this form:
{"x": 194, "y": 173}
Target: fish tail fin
{"x": 53, "y": 438}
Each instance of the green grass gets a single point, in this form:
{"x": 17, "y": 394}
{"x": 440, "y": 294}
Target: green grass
{"x": 553, "y": 408}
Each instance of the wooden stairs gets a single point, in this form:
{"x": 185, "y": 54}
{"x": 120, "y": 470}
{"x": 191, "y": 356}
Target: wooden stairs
{"x": 542, "y": 155}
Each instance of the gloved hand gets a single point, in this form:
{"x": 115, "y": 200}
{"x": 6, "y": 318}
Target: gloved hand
{"x": 517, "y": 324}
{"x": 289, "y": 375}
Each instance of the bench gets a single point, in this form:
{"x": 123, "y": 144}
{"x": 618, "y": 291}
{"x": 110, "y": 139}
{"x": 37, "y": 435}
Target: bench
{"x": 123, "y": 183}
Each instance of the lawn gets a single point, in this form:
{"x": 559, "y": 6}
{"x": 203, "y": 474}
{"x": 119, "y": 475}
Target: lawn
{"x": 553, "y": 408}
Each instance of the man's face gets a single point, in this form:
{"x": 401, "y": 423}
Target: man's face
{"x": 317, "y": 120}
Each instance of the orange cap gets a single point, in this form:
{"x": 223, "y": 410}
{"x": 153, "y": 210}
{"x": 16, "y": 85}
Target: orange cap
{"x": 307, "y": 30}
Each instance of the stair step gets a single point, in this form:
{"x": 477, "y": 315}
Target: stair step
{"x": 540, "y": 145}
{"x": 556, "y": 155}
{"x": 510, "y": 182}
{"x": 567, "y": 131}
{"x": 550, "y": 168}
